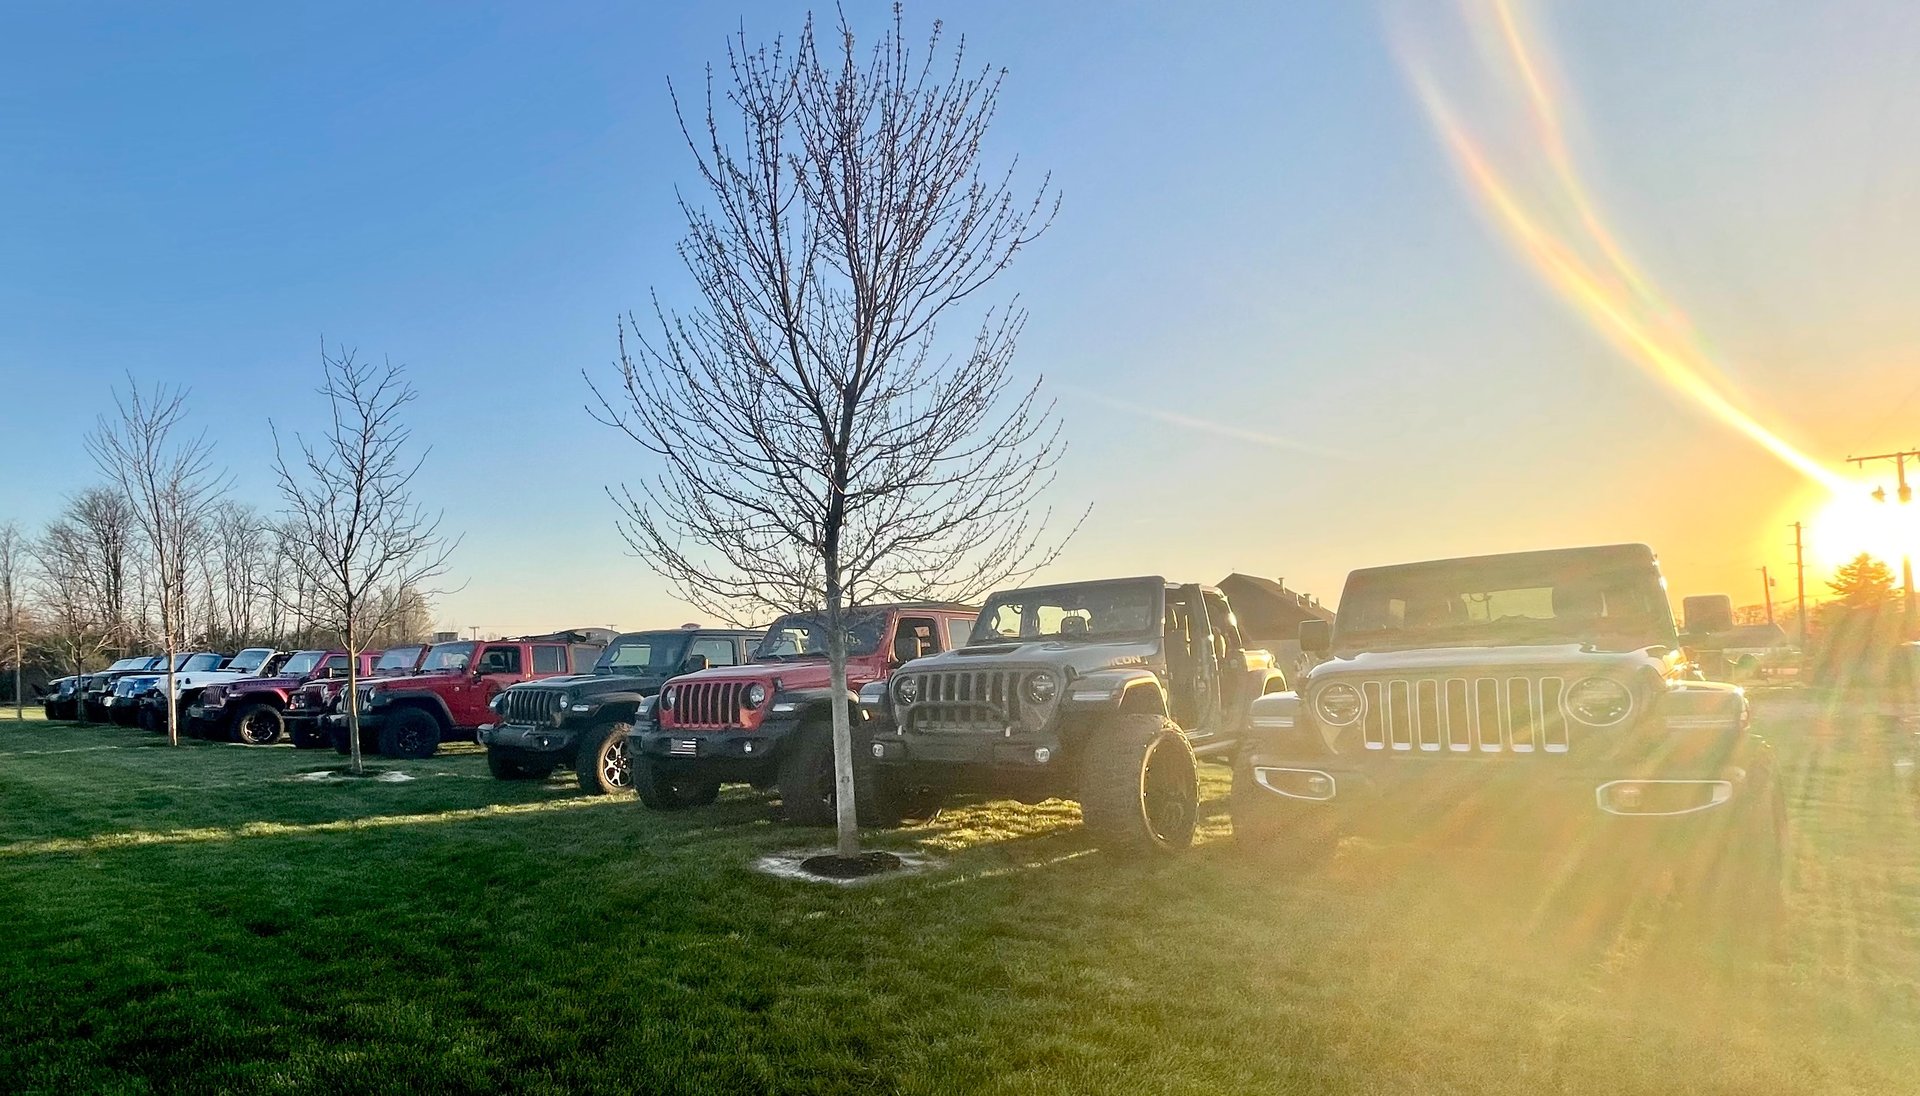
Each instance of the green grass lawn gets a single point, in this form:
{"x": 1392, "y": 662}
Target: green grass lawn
{"x": 203, "y": 920}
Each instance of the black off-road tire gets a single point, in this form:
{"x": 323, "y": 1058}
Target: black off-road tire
{"x": 1276, "y": 828}
{"x": 505, "y": 768}
{"x": 410, "y": 733}
{"x": 661, "y": 790}
{"x": 601, "y": 765}
{"x": 257, "y": 724}
{"x": 307, "y": 735}
{"x": 805, "y": 779}
{"x": 1139, "y": 785}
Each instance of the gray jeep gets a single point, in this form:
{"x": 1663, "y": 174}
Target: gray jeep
{"x": 1104, "y": 692}
{"x": 1513, "y": 700}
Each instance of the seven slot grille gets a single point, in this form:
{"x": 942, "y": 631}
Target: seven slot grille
{"x": 967, "y": 700}
{"x": 706, "y": 704}
{"x": 1465, "y": 715}
{"x": 528, "y": 706}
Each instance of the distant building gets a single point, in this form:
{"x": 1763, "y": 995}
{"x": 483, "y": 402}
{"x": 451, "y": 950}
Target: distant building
{"x": 1270, "y": 616}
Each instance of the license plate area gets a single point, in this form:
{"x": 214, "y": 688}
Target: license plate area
{"x": 683, "y": 747}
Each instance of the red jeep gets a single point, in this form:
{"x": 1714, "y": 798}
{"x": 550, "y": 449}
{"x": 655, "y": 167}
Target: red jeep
{"x": 319, "y": 696}
{"x": 769, "y": 723}
{"x": 446, "y": 699}
{"x": 252, "y": 710}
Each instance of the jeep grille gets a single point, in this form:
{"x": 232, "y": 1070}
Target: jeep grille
{"x": 528, "y": 706}
{"x": 705, "y": 704}
{"x": 1465, "y": 715}
{"x": 978, "y": 701}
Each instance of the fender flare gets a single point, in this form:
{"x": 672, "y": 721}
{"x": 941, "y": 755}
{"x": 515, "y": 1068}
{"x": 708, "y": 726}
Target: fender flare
{"x": 1122, "y": 690}
{"x": 620, "y": 707}
{"x": 431, "y": 703}
{"x": 811, "y": 704}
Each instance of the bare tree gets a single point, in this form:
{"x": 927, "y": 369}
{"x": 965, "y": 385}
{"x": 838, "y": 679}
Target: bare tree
{"x": 358, "y": 538}
{"x": 169, "y": 482}
{"x": 13, "y": 592}
{"x": 819, "y": 446}
{"x": 64, "y": 579}
{"x": 102, "y": 552}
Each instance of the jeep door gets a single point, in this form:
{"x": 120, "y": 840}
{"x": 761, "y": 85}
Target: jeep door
{"x": 495, "y": 667}
{"x": 1193, "y": 666}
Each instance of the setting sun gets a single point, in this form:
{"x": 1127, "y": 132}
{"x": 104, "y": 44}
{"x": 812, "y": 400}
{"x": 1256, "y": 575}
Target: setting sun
{"x": 1852, "y": 522}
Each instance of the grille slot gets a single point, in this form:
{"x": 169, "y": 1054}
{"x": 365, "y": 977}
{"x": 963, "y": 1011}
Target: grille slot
{"x": 713, "y": 704}
{"x": 528, "y": 706}
{"x": 966, "y": 701}
{"x": 1461, "y": 715}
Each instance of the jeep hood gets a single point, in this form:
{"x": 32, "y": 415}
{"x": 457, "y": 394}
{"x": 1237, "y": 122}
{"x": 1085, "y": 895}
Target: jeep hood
{"x": 1081, "y": 658}
{"x": 591, "y": 684}
{"x": 1568, "y": 657}
{"x": 797, "y": 673}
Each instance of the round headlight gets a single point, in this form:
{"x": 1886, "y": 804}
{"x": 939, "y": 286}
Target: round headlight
{"x": 666, "y": 699}
{"x": 756, "y": 695}
{"x": 1340, "y": 704}
{"x": 1042, "y": 687}
{"x": 498, "y": 700}
{"x": 560, "y": 702}
{"x": 908, "y": 690}
{"x": 1599, "y": 701}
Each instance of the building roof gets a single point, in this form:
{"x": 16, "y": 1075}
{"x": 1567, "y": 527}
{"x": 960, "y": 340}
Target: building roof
{"x": 1266, "y": 609}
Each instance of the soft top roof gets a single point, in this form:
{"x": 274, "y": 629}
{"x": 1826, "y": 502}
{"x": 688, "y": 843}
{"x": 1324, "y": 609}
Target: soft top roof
{"x": 1612, "y": 555}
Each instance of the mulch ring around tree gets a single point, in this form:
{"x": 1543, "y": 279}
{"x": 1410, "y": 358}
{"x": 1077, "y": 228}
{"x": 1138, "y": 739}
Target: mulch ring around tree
{"x": 827, "y": 866}
{"x": 327, "y": 776}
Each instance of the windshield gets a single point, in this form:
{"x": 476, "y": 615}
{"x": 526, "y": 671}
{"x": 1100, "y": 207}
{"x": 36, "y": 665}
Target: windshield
{"x": 250, "y": 659}
{"x": 1490, "y": 602}
{"x": 804, "y": 635}
{"x": 651, "y": 653}
{"x": 1095, "y": 611}
{"x": 194, "y": 662}
{"x": 397, "y": 658}
{"x": 302, "y": 663}
{"x": 448, "y": 656}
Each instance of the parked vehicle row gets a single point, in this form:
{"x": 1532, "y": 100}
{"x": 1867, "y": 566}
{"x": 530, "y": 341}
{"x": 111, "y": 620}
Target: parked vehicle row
{"x": 1509, "y": 698}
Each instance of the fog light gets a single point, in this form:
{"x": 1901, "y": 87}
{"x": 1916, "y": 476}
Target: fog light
{"x": 1320, "y": 785}
{"x": 746, "y": 747}
{"x": 1652, "y": 798}
{"x": 879, "y": 750}
{"x": 1042, "y": 755}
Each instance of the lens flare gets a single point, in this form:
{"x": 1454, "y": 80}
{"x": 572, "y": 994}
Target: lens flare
{"x": 1612, "y": 294}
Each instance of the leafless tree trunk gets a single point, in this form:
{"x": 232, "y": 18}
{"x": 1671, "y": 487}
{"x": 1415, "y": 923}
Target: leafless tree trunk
{"x": 357, "y": 535}
{"x": 13, "y": 588}
{"x": 819, "y": 446}
{"x": 171, "y": 486}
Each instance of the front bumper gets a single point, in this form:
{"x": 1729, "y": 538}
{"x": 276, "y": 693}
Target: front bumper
{"x": 1501, "y": 798}
{"x": 728, "y": 753}
{"x": 522, "y": 740}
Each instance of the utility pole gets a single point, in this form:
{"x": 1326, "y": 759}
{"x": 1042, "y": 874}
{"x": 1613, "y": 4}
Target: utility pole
{"x": 1766, "y": 591}
{"x": 1800, "y": 580}
{"x": 1905, "y": 494}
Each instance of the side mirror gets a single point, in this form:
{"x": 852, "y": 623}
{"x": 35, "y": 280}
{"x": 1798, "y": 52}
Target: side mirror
{"x": 1316, "y": 636}
{"x": 693, "y": 664}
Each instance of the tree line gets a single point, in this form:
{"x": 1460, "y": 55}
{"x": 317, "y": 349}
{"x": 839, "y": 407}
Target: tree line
{"x": 159, "y": 557}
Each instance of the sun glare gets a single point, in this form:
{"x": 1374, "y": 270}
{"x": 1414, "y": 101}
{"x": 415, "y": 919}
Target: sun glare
{"x": 1852, "y": 522}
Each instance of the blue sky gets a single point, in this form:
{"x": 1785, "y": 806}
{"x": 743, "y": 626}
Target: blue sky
{"x": 1259, "y": 231}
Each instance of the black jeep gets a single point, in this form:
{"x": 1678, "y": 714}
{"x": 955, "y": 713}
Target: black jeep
{"x": 1510, "y": 700}
{"x": 582, "y": 721}
{"x": 1104, "y": 692}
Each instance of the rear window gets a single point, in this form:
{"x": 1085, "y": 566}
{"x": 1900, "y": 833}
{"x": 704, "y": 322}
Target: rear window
{"x": 549, "y": 659}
